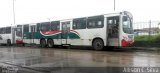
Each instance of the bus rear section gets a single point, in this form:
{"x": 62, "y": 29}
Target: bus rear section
{"x": 6, "y": 35}
{"x": 11, "y": 35}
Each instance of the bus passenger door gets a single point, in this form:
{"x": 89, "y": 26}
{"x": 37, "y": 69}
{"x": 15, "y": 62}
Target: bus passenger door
{"x": 65, "y": 31}
{"x": 32, "y": 30}
{"x": 113, "y": 31}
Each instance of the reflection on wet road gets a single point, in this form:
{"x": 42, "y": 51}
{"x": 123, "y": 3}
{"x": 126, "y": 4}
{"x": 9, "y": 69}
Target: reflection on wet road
{"x": 35, "y": 57}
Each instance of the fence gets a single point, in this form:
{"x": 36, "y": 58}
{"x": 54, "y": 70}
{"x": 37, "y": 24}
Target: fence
{"x": 147, "y": 33}
{"x": 146, "y": 28}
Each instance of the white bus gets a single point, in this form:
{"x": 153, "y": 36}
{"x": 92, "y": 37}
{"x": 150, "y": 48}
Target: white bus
{"x": 11, "y": 35}
{"x": 114, "y": 29}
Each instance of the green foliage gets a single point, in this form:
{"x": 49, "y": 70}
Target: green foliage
{"x": 147, "y": 39}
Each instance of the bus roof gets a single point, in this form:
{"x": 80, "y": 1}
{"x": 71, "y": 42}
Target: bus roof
{"x": 110, "y": 13}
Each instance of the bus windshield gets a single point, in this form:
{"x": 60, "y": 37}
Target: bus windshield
{"x": 127, "y": 25}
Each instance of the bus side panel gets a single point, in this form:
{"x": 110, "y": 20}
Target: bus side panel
{"x": 96, "y": 33}
{"x": 57, "y": 41}
{"x": 5, "y": 37}
{"x": 27, "y": 41}
{"x": 87, "y": 36}
{"x": 36, "y": 41}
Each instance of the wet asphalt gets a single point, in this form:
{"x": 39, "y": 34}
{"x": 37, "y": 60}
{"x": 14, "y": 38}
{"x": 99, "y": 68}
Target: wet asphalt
{"x": 60, "y": 60}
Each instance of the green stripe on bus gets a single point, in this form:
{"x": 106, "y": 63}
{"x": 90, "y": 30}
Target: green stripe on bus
{"x": 38, "y": 35}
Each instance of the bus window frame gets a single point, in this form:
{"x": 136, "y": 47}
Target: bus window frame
{"x": 55, "y": 24}
{"x": 83, "y": 22}
{"x": 0, "y": 30}
{"x": 95, "y": 20}
{"x": 38, "y": 27}
{"x": 24, "y": 27}
{"x": 6, "y": 32}
{"x": 44, "y": 24}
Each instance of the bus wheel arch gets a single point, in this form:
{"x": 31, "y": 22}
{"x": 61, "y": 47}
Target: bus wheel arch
{"x": 98, "y": 43}
{"x": 43, "y": 42}
{"x": 50, "y": 43}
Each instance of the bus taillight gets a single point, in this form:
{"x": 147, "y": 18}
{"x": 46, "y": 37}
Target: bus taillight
{"x": 19, "y": 41}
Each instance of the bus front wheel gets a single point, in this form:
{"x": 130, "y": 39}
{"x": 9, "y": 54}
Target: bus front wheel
{"x": 98, "y": 44}
{"x": 43, "y": 43}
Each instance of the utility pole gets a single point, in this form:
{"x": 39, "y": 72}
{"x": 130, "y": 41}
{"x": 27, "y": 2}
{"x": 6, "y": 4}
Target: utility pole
{"x": 14, "y": 21}
{"x": 114, "y": 5}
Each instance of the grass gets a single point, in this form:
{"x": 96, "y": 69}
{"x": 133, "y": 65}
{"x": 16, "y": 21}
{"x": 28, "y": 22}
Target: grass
{"x": 146, "y": 40}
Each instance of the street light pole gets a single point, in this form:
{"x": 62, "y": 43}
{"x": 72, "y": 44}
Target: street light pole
{"x": 114, "y": 5}
{"x": 14, "y": 21}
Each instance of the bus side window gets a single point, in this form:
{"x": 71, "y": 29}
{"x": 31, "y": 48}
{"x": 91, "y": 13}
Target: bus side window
{"x": 38, "y": 27}
{"x": 45, "y": 26}
{"x": 8, "y": 30}
{"x": 0, "y": 30}
{"x": 95, "y": 22}
{"x": 3, "y": 30}
{"x": 32, "y": 28}
{"x": 55, "y": 25}
{"x": 26, "y": 28}
{"x": 79, "y": 23}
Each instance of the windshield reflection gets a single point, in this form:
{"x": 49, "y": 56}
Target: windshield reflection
{"x": 127, "y": 25}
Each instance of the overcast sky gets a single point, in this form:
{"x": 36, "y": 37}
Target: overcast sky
{"x": 31, "y": 11}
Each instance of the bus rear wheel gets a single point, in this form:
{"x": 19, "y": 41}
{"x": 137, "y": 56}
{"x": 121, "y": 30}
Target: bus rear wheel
{"x": 43, "y": 43}
{"x": 50, "y": 43}
{"x": 8, "y": 42}
{"x": 98, "y": 44}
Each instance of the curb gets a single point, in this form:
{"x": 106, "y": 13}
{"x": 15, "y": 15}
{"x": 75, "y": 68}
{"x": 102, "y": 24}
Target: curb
{"x": 147, "y": 48}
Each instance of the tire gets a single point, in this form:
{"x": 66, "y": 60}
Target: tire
{"x": 8, "y": 42}
{"x": 98, "y": 44}
{"x": 43, "y": 43}
{"x": 23, "y": 44}
{"x": 50, "y": 43}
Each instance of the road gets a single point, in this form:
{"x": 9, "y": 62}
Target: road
{"x": 53, "y": 60}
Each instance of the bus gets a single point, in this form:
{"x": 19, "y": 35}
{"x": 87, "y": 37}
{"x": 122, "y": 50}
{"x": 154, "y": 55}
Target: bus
{"x": 114, "y": 29}
{"x": 11, "y": 35}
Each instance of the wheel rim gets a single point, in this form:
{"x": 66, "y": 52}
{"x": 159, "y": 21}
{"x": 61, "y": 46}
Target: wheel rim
{"x": 98, "y": 44}
{"x": 50, "y": 43}
{"x": 8, "y": 42}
